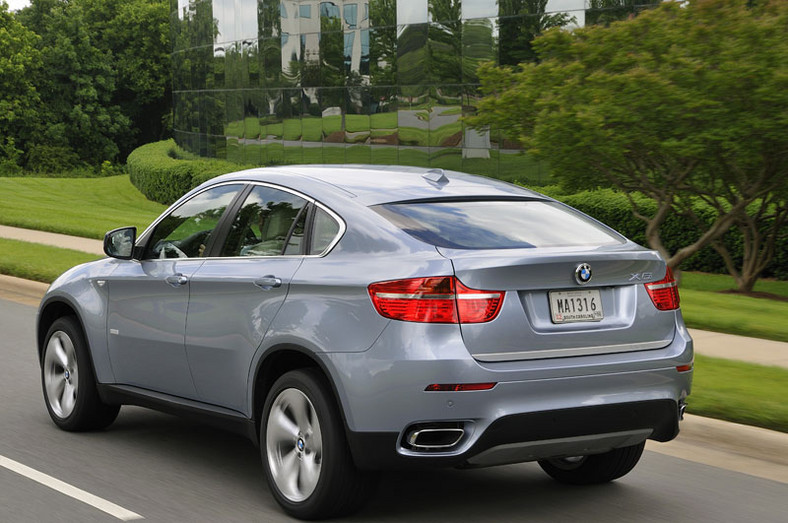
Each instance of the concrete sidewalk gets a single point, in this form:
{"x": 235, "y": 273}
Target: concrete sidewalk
{"x": 50, "y": 238}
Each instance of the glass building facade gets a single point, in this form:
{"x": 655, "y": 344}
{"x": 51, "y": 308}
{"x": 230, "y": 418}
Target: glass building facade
{"x": 355, "y": 81}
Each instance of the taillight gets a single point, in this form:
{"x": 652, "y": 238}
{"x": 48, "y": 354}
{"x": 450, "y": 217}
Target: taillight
{"x": 440, "y": 299}
{"x": 665, "y": 292}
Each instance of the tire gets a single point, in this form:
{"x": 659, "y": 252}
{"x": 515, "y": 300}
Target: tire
{"x": 305, "y": 453}
{"x": 68, "y": 380}
{"x": 594, "y": 469}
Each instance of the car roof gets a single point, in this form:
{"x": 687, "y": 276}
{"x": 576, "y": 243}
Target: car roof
{"x": 376, "y": 184}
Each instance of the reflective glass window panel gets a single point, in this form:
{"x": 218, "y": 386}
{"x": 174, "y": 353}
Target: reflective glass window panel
{"x": 445, "y": 10}
{"x": 412, "y": 54}
{"x": 411, "y": 12}
{"x": 413, "y": 116}
{"x": 479, "y": 39}
{"x": 305, "y": 11}
{"x": 383, "y": 56}
{"x": 186, "y": 231}
{"x": 497, "y": 224}
{"x": 350, "y": 38}
{"x": 479, "y": 9}
{"x": 445, "y": 49}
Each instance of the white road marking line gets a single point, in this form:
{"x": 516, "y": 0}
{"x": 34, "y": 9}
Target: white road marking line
{"x": 69, "y": 490}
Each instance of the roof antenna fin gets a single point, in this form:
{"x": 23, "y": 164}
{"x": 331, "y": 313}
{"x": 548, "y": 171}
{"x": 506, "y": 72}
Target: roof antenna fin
{"x": 436, "y": 176}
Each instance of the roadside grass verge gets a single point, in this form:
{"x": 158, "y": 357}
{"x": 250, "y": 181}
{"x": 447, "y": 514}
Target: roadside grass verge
{"x": 75, "y": 206}
{"x": 701, "y": 281}
{"x": 43, "y": 263}
{"x": 740, "y": 392}
{"x": 735, "y": 314}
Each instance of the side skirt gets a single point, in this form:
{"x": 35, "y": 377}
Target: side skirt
{"x": 194, "y": 410}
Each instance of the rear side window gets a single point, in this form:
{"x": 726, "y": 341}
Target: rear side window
{"x": 496, "y": 224}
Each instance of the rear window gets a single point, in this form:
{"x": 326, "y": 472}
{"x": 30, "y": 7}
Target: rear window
{"x": 496, "y": 224}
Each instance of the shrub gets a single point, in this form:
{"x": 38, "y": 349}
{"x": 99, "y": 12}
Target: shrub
{"x": 613, "y": 208}
{"x": 163, "y": 172}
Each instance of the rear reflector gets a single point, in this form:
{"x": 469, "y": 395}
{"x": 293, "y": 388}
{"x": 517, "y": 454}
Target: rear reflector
{"x": 440, "y": 299}
{"x": 458, "y": 387}
{"x": 684, "y": 368}
{"x": 665, "y": 292}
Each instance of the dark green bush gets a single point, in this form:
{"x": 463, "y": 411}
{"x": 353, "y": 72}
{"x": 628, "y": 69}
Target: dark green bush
{"x": 614, "y": 209}
{"x": 163, "y": 172}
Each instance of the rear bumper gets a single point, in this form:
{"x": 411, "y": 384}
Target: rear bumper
{"x": 531, "y": 436}
{"x": 537, "y": 409}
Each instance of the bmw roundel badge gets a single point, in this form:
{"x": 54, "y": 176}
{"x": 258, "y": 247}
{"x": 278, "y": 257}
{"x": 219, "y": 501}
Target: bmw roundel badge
{"x": 583, "y": 273}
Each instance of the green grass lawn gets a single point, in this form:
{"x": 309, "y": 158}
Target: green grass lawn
{"x": 740, "y": 392}
{"x": 704, "y": 307}
{"x": 86, "y": 207}
{"x": 38, "y": 262}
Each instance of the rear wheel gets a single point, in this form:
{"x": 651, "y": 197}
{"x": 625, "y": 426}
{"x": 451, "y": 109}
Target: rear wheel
{"x": 594, "y": 469}
{"x": 305, "y": 454}
{"x": 68, "y": 381}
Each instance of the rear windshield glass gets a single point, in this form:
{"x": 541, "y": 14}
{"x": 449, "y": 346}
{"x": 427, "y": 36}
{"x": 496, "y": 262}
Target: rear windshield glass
{"x": 496, "y": 224}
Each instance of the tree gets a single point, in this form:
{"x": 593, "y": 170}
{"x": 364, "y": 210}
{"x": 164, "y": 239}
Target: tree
{"x": 76, "y": 85}
{"x": 106, "y": 82}
{"x": 683, "y": 102}
{"x": 18, "y": 96}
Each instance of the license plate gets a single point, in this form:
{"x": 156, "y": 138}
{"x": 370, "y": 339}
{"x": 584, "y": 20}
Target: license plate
{"x": 572, "y": 306}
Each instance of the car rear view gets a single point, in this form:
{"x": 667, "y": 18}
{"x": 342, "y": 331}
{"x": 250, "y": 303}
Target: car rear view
{"x": 553, "y": 339}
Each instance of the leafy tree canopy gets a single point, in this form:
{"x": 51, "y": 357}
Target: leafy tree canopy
{"x": 685, "y": 100}
{"x": 18, "y": 97}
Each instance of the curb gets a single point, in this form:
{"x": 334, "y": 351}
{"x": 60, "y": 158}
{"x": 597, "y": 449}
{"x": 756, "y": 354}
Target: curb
{"x": 22, "y": 291}
{"x": 741, "y": 448}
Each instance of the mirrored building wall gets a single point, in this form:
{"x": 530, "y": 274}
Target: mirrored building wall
{"x": 358, "y": 81}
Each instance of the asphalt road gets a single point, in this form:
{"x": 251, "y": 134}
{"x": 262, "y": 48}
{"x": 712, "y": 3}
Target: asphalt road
{"x": 166, "y": 469}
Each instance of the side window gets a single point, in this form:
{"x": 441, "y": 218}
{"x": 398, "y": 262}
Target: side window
{"x": 265, "y": 222}
{"x": 324, "y": 230}
{"x": 186, "y": 232}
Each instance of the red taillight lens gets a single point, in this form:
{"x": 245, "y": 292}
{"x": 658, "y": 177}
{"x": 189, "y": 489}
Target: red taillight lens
{"x": 441, "y": 299}
{"x": 475, "y": 306}
{"x": 664, "y": 293}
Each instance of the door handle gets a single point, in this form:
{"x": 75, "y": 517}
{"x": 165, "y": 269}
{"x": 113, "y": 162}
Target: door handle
{"x": 268, "y": 282}
{"x": 177, "y": 280}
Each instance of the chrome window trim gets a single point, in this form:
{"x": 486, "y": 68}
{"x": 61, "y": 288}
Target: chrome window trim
{"x": 244, "y": 183}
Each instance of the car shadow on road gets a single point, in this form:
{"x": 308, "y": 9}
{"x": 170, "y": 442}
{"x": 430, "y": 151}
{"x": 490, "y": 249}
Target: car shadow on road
{"x": 221, "y": 463}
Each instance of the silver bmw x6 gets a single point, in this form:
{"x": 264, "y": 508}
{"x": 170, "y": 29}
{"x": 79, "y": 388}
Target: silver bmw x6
{"x": 357, "y": 318}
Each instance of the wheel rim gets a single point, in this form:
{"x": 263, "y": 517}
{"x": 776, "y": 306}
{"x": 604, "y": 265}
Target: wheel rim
{"x": 294, "y": 445}
{"x": 61, "y": 374}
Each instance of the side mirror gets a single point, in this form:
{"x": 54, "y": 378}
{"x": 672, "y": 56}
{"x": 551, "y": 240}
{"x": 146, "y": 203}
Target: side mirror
{"x": 120, "y": 243}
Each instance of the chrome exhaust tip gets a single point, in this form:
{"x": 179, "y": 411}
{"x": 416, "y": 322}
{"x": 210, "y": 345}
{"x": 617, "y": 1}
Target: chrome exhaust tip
{"x": 433, "y": 437}
{"x": 682, "y": 408}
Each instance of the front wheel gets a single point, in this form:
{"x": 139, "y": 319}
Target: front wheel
{"x": 594, "y": 469}
{"x": 67, "y": 378}
{"x": 305, "y": 454}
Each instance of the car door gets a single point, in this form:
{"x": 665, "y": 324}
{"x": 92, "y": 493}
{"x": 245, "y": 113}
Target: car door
{"x": 148, "y": 299}
{"x": 236, "y": 294}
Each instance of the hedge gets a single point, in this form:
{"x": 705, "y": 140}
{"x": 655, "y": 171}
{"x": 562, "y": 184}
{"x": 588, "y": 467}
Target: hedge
{"x": 613, "y": 208}
{"x": 163, "y": 172}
